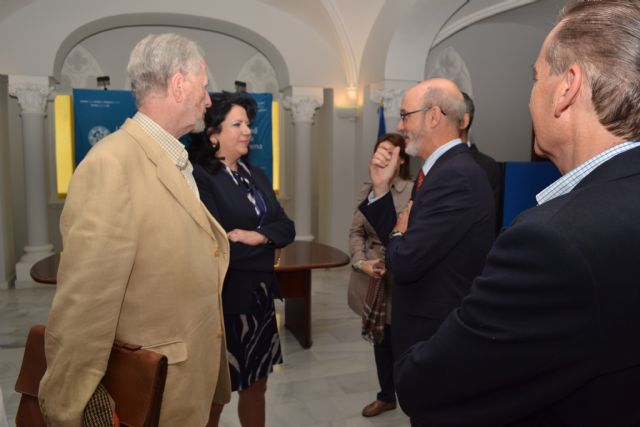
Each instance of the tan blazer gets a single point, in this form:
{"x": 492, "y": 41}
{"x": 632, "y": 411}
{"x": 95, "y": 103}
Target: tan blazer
{"x": 364, "y": 244}
{"x": 143, "y": 262}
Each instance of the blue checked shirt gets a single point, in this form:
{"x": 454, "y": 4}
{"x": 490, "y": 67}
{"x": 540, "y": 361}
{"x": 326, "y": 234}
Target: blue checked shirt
{"x": 568, "y": 181}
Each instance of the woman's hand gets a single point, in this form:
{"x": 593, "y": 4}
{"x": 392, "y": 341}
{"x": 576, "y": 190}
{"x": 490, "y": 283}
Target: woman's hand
{"x": 373, "y": 268}
{"x": 251, "y": 238}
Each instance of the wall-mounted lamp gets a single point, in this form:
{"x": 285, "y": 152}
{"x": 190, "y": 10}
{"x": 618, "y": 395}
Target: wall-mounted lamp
{"x": 349, "y": 109}
{"x": 352, "y": 93}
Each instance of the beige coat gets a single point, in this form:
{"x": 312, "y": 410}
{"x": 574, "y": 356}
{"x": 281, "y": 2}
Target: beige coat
{"x": 364, "y": 244}
{"x": 143, "y": 262}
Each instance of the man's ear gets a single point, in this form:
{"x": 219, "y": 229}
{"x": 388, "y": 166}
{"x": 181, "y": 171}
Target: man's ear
{"x": 176, "y": 86}
{"x": 568, "y": 89}
{"x": 464, "y": 122}
{"x": 433, "y": 117}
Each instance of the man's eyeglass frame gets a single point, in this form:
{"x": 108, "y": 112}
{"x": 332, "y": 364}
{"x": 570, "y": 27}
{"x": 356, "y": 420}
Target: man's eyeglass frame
{"x": 403, "y": 116}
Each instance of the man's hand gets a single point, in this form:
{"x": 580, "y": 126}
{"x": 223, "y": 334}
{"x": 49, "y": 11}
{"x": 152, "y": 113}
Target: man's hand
{"x": 251, "y": 238}
{"x": 373, "y": 268}
{"x": 403, "y": 218}
{"x": 383, "y": 167}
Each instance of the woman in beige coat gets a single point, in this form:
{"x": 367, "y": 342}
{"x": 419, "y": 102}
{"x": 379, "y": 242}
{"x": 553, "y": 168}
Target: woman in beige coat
{"x": 369, "y": 288}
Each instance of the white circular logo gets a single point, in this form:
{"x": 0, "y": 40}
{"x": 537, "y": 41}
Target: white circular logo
{"x": 97, "y": 133}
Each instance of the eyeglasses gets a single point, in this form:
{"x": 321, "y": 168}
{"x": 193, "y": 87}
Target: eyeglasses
{"x": 403, "y": 116}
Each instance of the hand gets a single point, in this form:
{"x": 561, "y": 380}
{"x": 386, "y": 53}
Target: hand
{"x": 403, "y": 218}
{"x": 251, "y": 238}
{"x": 383, "y": 167}
{"x": 373, "y": 268}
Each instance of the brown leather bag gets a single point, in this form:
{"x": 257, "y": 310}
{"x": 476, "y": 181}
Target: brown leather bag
{"x": 135, "y": 379}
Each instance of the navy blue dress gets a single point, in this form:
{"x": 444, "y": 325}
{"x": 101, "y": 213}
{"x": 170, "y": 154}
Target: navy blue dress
{"x": 245, "y": 200}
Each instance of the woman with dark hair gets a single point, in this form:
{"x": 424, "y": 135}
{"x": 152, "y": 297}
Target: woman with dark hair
{"x": 369, "y": 292}
{"x": 241, "y": 198}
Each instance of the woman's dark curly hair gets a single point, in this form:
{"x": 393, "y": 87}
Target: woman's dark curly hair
{"x": 200, "y": 149}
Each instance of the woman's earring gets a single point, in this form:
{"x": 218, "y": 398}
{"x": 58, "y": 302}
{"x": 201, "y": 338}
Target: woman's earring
{"x": 214, "y": 144}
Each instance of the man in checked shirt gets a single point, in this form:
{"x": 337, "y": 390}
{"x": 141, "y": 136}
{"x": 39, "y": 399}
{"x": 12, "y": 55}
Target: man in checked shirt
{"x": 548, "y": 335}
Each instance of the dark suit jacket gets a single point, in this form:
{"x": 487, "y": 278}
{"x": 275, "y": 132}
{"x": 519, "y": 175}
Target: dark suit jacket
{"x": 494, "y": 173}
{"x": 550, "y": 332}
{"x": 449, "y": 235}
{"x": 249, "y": 265}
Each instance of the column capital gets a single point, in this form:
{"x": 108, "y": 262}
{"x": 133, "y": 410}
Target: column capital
{"x": 302, "y": 107}
{"x": 391, "y": 92}
{"x": 32, "y": 92}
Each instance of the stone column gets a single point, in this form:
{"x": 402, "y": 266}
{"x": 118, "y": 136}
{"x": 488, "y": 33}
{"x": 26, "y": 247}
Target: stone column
{"x": 6, "y": 229}
{"x": 33, "y": 94}
{"x": 303, "y": 108}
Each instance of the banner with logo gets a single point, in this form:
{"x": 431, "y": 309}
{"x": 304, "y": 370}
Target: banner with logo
{"x": 261, "y": 146}
{"x": 97, "y": 113}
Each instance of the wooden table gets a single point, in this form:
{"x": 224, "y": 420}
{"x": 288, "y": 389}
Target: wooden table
{"x": 294, "y": 277}
{"x": 46, "y": 270}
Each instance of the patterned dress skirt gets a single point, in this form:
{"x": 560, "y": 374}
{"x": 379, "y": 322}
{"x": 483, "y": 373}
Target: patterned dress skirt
{"x": 253, "y": 343}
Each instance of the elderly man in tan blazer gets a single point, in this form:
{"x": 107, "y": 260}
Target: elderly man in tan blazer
{"x": 143, "y": 261}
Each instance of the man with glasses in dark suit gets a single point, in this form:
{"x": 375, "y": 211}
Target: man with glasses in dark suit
{"x": 437, "y": 246}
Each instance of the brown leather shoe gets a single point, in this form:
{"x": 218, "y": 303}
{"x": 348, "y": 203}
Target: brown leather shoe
{"x": 377, "y": 407}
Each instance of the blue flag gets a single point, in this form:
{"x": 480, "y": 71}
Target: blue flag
{"x": 382, "y": 127}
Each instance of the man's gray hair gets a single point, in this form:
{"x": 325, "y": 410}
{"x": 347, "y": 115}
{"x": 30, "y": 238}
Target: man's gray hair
{"x": 453, "y": 106}
{"x": 156, "y": 58}
{"x": 603, "y": 36}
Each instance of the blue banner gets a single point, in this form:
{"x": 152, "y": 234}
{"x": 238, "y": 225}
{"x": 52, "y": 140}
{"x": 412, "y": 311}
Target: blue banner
{"x": 261, "y": 146}
{"x": 522, "y": 181}
{"x": 97, "y": 113}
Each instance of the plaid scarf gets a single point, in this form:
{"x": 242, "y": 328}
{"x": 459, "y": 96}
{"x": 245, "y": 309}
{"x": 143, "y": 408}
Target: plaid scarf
{"x": 375, "y": 311}
{"x": 99, "y": 410}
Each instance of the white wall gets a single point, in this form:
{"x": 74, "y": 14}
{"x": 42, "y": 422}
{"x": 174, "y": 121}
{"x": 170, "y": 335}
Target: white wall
{"x": 247, "y": 19}
{"x": 334, "y": 149}
{"x": 224, "y": 55}
{"x": 321, "y": 169}
{"x": 499, "y": 53}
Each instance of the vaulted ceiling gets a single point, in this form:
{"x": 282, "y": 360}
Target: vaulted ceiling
{"x": 390, "y": 39}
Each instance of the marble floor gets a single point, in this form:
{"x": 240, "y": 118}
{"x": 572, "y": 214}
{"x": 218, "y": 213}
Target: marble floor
{"x": 324, "y": 386}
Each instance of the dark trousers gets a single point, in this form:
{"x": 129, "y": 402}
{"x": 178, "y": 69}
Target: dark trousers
{"x": 384, "y": 367}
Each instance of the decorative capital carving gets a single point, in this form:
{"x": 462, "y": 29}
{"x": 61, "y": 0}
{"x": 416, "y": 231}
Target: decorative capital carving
{"x": 302, "y": 107}
{"x": 392, "y": 98}
{"x": 32, "y": 96}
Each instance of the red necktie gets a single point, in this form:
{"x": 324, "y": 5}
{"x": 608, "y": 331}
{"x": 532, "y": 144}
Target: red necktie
{"x": 420, "y": 180}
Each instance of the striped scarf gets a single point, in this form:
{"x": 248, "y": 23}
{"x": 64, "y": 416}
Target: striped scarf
{"x": 375, "y": 311}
